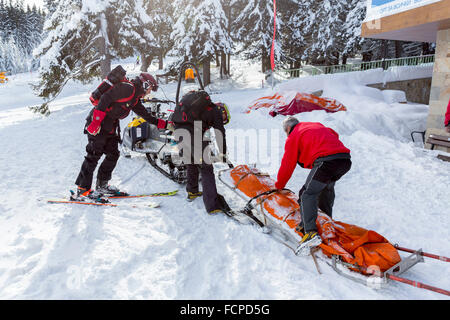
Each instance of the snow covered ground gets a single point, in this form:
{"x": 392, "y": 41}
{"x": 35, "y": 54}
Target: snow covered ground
{"x": 177, "y": 251}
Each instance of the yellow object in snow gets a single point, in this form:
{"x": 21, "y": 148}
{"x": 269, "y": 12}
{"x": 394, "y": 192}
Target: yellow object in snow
{"x": 3, "y": 78}
{"x": 136, "y": 122}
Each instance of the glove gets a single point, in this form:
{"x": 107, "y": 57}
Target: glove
{"x": 94, "y": 126}
{"x": 170, "y": 126}
{"x": 278, "y": 186}
{"x": 162, "y": 124}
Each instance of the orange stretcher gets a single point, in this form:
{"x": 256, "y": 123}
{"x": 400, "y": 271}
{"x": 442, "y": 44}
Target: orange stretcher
{"x": 357, "y": 249}
{"x": 354, "y": 245}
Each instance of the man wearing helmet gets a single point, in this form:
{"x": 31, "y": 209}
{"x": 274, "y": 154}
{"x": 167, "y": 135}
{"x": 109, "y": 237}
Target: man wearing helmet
{"x": 102, "y": 126}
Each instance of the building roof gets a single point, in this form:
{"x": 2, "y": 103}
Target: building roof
{"x": 415, "y": 24}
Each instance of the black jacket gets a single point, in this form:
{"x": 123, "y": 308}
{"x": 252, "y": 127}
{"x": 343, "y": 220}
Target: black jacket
{"x": 210, "y": 118}
{"x": 118, "y": 102}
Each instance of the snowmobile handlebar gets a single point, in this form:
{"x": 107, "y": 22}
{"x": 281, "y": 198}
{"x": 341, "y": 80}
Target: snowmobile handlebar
{"x": 154, "y": 100}
{"x": 183, "y": 67}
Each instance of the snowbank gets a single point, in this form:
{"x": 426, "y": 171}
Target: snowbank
{"x": 179, "y": 252}
{"x": 311, "y": 84}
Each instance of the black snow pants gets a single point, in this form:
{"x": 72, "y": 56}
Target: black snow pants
{"x": 318, "y": 190}
{"x": 210, "y": 196}
{"x": 106, "y": 144}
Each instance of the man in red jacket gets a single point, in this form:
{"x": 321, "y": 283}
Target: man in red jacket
{"x": 316, "y": 147}
{"x": 447, "y": 118}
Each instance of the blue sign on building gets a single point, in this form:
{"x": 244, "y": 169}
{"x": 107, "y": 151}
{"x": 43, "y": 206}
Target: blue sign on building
{"x": 380, "y": 2}
{"x": 382, "y": 8}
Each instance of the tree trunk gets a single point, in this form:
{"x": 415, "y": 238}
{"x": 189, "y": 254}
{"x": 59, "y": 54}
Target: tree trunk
{"x": 103, "y": 42}
{"x": 228, "y": 64}
{"x": 384, "y": 49}
{"x": 398, "y": 49}
{"x": 161, "y": 60}
{"x": 344, "y": 59}
{"x": 146, "y": 61}
{"x": 217, "y": 59}
{"x": 223, "y": 65}
{"x": 206, "y": 71}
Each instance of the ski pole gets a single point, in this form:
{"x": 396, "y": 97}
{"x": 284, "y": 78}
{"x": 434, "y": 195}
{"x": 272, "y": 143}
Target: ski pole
{"x": 133, "y": 175}
{"x": 418, "y": 284}
{"x": 425, "y": 254}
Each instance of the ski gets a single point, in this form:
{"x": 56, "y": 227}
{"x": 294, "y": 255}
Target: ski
{"x": 157, "y": 194}
{"x": 99, "y": 204}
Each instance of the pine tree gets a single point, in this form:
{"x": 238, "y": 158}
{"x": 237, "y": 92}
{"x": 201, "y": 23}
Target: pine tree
{"x": 352, "y": 27}
{"x": 256, "y": 31}
{"x": 134, "y": 34}
{"x": 82, "y": 39}
{"x": 69, "y": 50}
{"x": 19, "y": 34}
{"x": 200, "y": 32}
{"x": 3, "y": 17}
{"x": 325, "y": 27}
{"x": 296, "y": 14}
{"x": 161, "y": 14}
{"x": 50, "y": 5}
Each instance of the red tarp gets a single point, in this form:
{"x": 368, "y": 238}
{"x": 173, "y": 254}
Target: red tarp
{"x": 301, "y": 102}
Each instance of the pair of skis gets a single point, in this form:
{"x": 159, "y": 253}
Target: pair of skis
{"x": 121, "y": 196}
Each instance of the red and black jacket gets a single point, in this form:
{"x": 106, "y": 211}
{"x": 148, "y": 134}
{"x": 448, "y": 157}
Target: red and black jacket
{"x": 306, "y": 142}
{"x": 118, "y": 102}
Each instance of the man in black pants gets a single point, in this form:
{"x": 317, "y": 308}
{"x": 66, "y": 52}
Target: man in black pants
{"x": 196, "y": 151}
{"x": 101, "y": 128}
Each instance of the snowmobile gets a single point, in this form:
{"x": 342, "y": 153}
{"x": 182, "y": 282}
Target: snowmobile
{"x": 159, "y": 145}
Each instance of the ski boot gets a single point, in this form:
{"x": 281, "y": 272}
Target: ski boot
{"x": 86, "y": 195}
{"x": 223, "y": 207}
{"x": 107, "y": 190}
{"x": 310, "y": 240}
{"x": 191, "y": 196}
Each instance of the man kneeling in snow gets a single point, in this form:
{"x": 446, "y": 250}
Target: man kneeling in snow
{"x": 316, "y": 147}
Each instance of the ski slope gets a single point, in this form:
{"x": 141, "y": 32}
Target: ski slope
{"x": 177, "y": 251}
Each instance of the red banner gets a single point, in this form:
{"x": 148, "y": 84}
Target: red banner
{"x": 272, "y": 51}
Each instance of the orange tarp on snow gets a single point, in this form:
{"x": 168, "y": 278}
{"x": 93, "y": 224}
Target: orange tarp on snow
{"x": 354, "y": 244}
{"x": 294, "y": 102}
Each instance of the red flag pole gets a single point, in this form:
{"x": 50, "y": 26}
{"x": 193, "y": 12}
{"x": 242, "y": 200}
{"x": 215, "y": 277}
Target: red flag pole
{"x": 272, "y": 51}
{"x": 419, "y": 285}
{"x": 425, "y": 254}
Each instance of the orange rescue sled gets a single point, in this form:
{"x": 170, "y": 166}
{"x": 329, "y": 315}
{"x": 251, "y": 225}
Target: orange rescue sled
{"x": 353, "y": 244}
{"x": 356, "y": 248}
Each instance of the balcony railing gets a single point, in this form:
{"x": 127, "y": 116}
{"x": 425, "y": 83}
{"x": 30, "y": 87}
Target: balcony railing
{"x": 309, "y": 70}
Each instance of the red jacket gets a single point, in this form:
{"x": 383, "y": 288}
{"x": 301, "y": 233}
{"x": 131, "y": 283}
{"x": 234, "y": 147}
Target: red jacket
{"x": 447, "y": 115}
{"x": 307, "y": 142}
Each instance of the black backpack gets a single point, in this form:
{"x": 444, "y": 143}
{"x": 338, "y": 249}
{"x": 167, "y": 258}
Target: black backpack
{"x": 191, "y": 107}
{"x": 116, "y": 76}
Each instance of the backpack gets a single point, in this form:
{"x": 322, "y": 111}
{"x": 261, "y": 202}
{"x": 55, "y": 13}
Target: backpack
{"x": 116, "y": 76}
{"x": 191, "y": 107}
